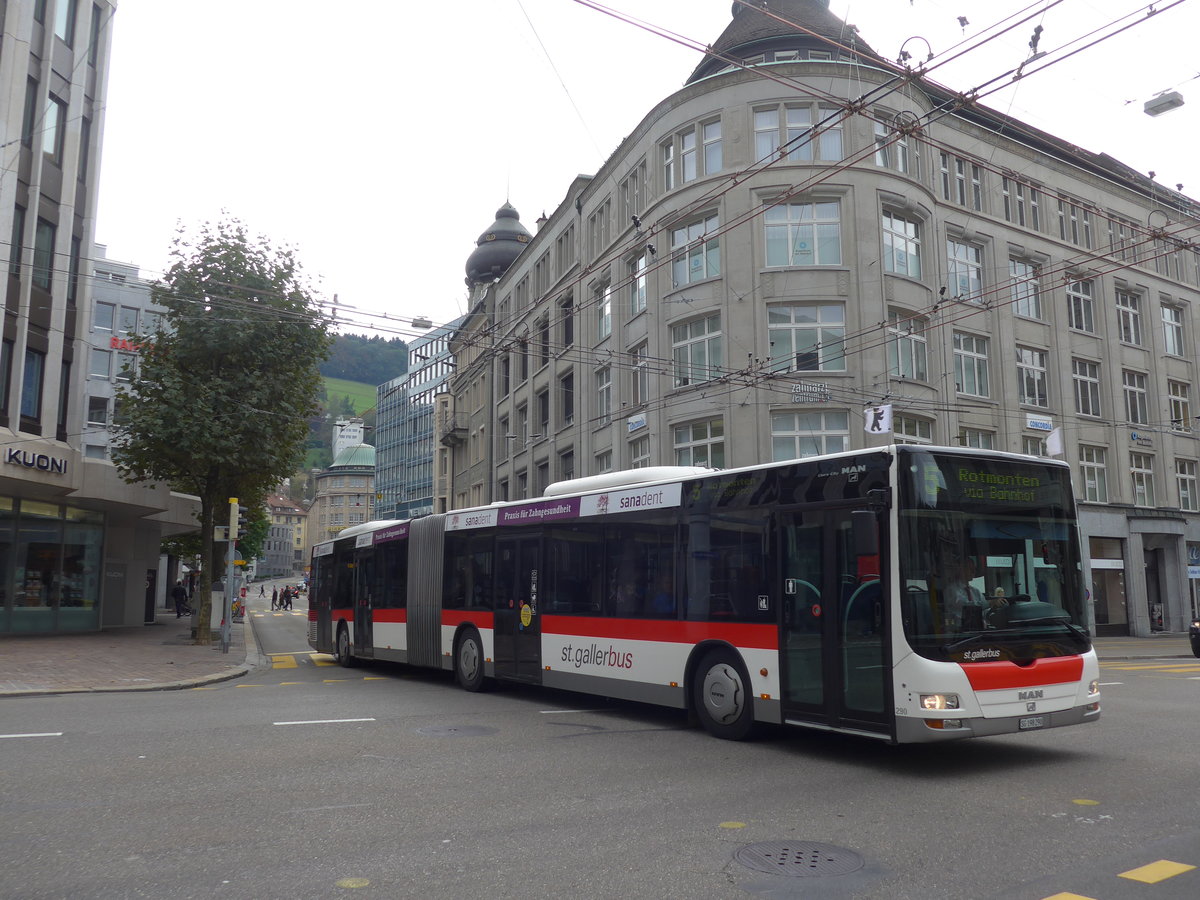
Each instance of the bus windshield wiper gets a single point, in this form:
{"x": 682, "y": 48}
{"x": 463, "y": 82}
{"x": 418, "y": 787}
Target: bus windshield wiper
{"x": 1059, "y": 620}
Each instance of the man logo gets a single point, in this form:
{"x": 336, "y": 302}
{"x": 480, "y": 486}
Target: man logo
{"x": 1030, "y": 707}
{"x": 1030, "y": 695}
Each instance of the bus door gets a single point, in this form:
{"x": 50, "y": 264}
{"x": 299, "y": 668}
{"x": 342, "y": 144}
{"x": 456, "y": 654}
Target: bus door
{"x": 364, "y": 637}
{"x": 834, "y": 661}
{"x": 517, "y": 620}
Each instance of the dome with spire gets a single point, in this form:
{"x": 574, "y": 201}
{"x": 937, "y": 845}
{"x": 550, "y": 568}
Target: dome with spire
{"x": 497, "y": 247}
{"x": 771, "y": 25}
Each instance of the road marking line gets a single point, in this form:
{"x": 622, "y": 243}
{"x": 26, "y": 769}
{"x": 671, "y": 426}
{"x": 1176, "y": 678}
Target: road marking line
{"x": 34, "y": 734}
{"x": 335, "y": 680}
{"x": 324, "y": 662}
{"x": 559, "y": 712}
{"x": 1156, "y": 871}
{"x": 1067, "y": 896}
{"x": 323, "y": 721}
{"x": 1110, "y": 683}
{"x": 375, "y": 678}
{"x": 283, "y": 662}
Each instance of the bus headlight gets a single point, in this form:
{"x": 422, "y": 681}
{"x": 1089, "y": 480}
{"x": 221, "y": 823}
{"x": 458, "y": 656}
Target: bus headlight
{"x": 1094, "y": 686}
{"x": 939, "y": 701}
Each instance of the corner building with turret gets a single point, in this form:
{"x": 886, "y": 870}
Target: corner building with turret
{"x": 806, "y": 230}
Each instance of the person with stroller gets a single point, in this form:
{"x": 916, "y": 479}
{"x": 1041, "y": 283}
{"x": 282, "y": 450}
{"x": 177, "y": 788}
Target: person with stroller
{"x": 180, "y": 596}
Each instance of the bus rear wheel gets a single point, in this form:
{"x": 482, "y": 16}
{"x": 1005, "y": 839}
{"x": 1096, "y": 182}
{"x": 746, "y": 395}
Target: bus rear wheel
{"x": 720, "y": 694}
{"x": 468, "y": 661}
{"x": 344, "y": 655}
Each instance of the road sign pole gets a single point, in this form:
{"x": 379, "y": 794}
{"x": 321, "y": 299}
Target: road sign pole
{"x": 230, "y": 556}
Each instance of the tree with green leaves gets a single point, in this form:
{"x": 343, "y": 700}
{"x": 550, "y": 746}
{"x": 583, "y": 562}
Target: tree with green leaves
{"x": 219, "y": 403}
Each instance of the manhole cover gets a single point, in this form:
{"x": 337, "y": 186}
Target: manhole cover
{"x": 797, "y": 858}
{"x": 455, "y": 730}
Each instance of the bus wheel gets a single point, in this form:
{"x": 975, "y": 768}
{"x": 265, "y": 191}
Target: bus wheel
{"x": 721, "y": 696}
{"x": 344, "y": 657}
{"x": 468, "y": 661}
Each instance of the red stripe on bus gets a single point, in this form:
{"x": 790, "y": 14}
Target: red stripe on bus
{"x": 336, "y": 614}
{"x": 395, "y": 616}
{"x": 994, "y": 676}
{"x": 740, "y": 634}
{"x": 478, "y": 618}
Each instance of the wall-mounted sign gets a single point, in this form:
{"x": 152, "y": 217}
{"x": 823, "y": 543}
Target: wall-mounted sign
{"x": 635, "y": 422}
{"x": 55, "y": 465}
{"x": 1141, "y": 439}
{"x": 1037, "y": 423}
{"x": 810, "y": 392}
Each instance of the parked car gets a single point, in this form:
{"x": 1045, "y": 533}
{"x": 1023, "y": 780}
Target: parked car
{"x": 1194, "y": 634}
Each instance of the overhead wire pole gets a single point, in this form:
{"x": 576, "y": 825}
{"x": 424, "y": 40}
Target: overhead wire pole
{"x": 230, "y": 569}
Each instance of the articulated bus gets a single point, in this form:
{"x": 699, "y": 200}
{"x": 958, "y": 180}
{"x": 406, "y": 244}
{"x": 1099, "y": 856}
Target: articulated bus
{"x": 906, "y": 593}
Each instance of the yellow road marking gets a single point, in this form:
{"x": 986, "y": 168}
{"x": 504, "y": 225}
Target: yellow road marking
{"x": 335, "y": 680}
{"x": 1067, "y": 896}
{"x": 283, "y": 662}
{"x": 374, "y": 678}
{"x": 324, "y": 662}
{"x": 1156, "y": 871}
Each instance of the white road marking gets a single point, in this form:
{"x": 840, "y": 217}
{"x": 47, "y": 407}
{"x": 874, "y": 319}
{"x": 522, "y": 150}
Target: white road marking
{"x": 1110, "y": 683}
{"x": 559, "y": 712}
{"x": 323, "y": 721}
{"x": 34, "y": 734}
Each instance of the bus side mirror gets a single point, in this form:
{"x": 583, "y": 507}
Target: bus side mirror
{"x": 866, "y": 532}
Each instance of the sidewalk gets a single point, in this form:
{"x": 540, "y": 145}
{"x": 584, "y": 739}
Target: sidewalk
{"x": 162, "y": 657}
{"x": 158, "y": 657}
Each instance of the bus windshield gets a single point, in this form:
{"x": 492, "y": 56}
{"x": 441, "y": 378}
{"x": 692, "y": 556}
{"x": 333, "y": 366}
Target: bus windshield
{"x": 989, "y": 558}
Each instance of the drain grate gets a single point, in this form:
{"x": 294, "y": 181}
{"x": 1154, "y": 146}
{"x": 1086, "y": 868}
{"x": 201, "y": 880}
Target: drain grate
{"x": 456, "y": 730}
{"x": 798, "y": 858}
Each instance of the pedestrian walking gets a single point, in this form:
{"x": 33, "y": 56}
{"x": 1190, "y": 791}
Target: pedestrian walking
{"x": 179, "y": 595}
{"x": 274, "y": 598}
{"x": 287, "y": 598}
{"x": 262, "y": 590}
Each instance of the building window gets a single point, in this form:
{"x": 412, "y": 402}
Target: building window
{"x": 1185, "y": 478}
{"x": 566, "y": 465}
{"x": 1022, "y": 204}
{"x": 1087, "y": 387}
{"x": 1026, "y": 298}
{"x": 31, "y": 385}
{"x": 804, "y": 234}
{"x": 893, "y": 151}
{"x": 696, "y": 347}
{"x": 1172, "y": 319}
{"x": 522, "y": 427}
{"x": 700, "y": 444}
{"x": 1179, "y": 398}
{"x": 971, "y": 364}
{"x": 97, "y": 412}
{"x": 503, "y": 436}
{"x": 566, "y": 322}
{"x": 104, "y": 317}
{"x": 1137, "y": 408}
{"x": 807, "y": 338}
{"x": 799, "y": 434}
{"x": 1123, "y": 239}
{"x": 1031, "y": 376}
{"x": 1081, "y": 313}
{"x": 566, "y": 398}
{"x": 911, "y": 430}
{"x": 101, "y": 363}
{"x": 1074, "y": 224}
{"x": 964, "y": 270}
{"x": 54, "y": 129}
{"x": 696, "y": 251}
{"x": 1129, "y": 317}
{"x": 17, "y": 243}
{"x": 710, "y": 133}
{"x": 598, "y": 230}
{"x": 1093, "y": 470}
{"x": 908, "y": 350}
{"x": 603, "y": 395}
{"x": 668, "y": 164}
{"x": 43, "y": 254}
{"x": 542, "y": 406}
{"x": 603, "y": 311}
{"x": 640, "y": 374}
{"x": 632, "y": 194}
{"x": 637, "y": 285}
{"x": 543, "y": 335}
{"x": 974, "y": 437}
{"x": 504, "y": 381}
{"x": 791, "y": 129}
{"x": 64, "y": 21}
{"x": 962, "y": 181}
{"x": 901, "y": 245}
{"x": 1141, "y": 470}
{"x": 603, "y": 462}
{"x": 1033, "y": 446}
{"x": 639, "y": 452}
{"x": 6, "y": 362}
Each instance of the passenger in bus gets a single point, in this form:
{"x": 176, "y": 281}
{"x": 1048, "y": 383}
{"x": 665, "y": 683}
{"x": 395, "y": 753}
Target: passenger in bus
{"x": 662, "y": 600}
{"x": 958, "y": 594}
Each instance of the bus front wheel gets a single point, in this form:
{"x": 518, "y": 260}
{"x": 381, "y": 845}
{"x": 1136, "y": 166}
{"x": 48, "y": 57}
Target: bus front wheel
{"x": 720, "y": 693}
{"x": 468, "y": 661}
{"x": 344, "y": 655}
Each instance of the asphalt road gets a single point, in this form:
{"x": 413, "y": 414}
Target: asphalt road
{"x": 307, "y": 780}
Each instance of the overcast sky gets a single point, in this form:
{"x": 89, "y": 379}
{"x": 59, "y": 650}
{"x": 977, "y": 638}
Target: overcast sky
{"x": 378, "y": 138}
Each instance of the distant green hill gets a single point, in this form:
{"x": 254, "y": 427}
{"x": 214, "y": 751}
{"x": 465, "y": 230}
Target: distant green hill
{"x": 361, "y": 396}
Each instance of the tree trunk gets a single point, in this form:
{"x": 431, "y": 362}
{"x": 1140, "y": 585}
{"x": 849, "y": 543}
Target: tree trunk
{"x": 204, "y": 606}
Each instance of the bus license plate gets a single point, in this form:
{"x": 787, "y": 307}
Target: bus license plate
{"x": 1032, "y": 722}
